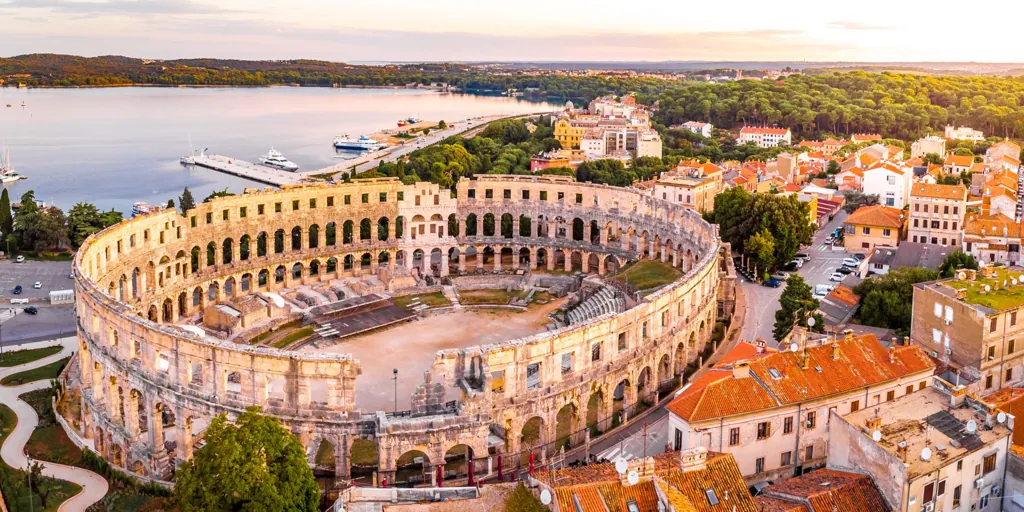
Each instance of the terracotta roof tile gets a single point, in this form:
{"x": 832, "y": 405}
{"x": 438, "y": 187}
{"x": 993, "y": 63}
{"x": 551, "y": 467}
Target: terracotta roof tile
{"x": 878, "y": 215}
{"x": 844, "y": 295}
{"x": 1010, "y": 401}
{"x": 939, "y": 191}
{"x": 743, "y": 351}
{"x": 764, "y": 130}
{"x": 959, "y": 160}
{"x": 769, "y": 504}
{"x": 828, "y": 490}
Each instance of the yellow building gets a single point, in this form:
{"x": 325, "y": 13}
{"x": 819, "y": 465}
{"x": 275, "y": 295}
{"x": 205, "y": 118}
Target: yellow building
{"x": 567, "y": 135}
{"x": 870, "y": 226}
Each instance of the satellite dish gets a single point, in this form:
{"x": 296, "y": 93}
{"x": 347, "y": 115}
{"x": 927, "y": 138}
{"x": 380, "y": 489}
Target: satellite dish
{"x": 972, "y": 427}
{"x": 810, "y": 322}
{"x": 621, "y": 466}
{"x": 793, "y": 347}
{"x": 926, "y": 453}
{"x": 961, "y": 276}
{"x": 633, "y": 478}
{"x": 1013, "y": 280}
{"x": 988, "y": 288}
{"x": 1001, "y": 417}
{"x": 876, "y": 435}
{"x": 545, "y": 497}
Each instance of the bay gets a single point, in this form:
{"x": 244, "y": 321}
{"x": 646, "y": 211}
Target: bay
{"x": 116, "y": 146}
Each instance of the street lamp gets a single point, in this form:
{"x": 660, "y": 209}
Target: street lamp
{"x": 395, "y": 378}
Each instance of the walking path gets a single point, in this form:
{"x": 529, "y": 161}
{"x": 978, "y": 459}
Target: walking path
{"x": 94, "y": 487}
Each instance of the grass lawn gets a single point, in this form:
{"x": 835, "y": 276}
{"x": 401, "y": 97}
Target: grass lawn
{"x": 27, "y": 356}
{"x": 52, "y": 443}
{"x": 477, "y": 297}
{"x": 650, "y": 274}
{"x": 434, "y": 300}
{"x": 293, "y": 336}
{"x": 62, "y": 491}
{"x": 47, "y": 372}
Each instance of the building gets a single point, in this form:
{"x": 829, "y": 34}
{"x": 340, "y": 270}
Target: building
{"x": 702, "y": 129}
{"x": 548, "y": 161}
{"x": 992, "y": 238}
{"x": 970, "y": 322}
{"x": 880, "y": 261}
{"x": 567, "y": 134}
{"x": 957, "y": 164}
{"x": 889, "y": 181}
{"x": 824, "y": 490}
{"x": 963, "y": 133}
{"x": 694, "y": 187}
{"x": 937, "y": 214}
{"x": 915, "y": 254}
{"x": 1000, "y": 149}
{"x": 771, "y": 412}
{"x": 851, "y": 179}
{"x": 839, "y": 305}
{"x": 935, "y": 449}
{"x": 930, "y": 144}
{"x": 689, "y": 481}
{"x": 592, "y": 144}
{"x": 857, "y": 138}
{"x": 872, "y": 226}
{"x": 648, "y": 143}
{"x": 765, "y": 137}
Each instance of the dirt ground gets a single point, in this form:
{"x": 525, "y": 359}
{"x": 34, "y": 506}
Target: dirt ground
{"x": 410, "y": 347}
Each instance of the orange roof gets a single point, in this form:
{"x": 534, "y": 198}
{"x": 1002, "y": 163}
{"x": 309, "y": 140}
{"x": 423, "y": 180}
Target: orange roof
{"x": 832, "y": 142}
{"x": 877, "y": 215}
{"x": 895, "y": 150}
{"x": 764, "y": 130}
{"x": 959, "y": 160}
{"x": 866, "y": 160}
{"x": 792, "y": 188}
{"x": 828, "y": 490}
{"x": 743, "y": 351}
{"x": 978, "y": 167}
{"x": 938, "y": 191}
{"x": 1010, "y": 401}
{"x": 810, "y": 144}
{"x": 861, "y": 362}
{"x": 861, "y": 137}
{"x": 844, "y": 295}
{"x": 856, "y": 171}
{"x": 769, "y": 504}
{"x": 990, "y": 225}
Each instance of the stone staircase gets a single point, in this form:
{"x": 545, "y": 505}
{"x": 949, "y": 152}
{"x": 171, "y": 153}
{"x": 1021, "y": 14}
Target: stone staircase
{"x": 452, "y": 295}
{"x": 606, "y": 300}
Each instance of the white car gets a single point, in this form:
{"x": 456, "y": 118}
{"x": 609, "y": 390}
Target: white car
{"x": 38, "y": 285}
{"x": 20, "y": 259}
{"x": 836, "y": 276}
{"x": 851, "y": 262}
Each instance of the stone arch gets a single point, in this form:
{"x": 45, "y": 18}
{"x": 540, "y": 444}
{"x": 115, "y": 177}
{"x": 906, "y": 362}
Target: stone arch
{"x": 213, "y": 291}
{"x": 453, "y": 258}
{"x": 664, "y": 370}
{"x": 593, "y": 262}
{"x": 331, "y": 234}
{"x": 364, "y": 458}
{"x": 182, "y": 304}
{"x": 595, "y": 412}
{"x": 471, "y": 222}
{"x": 611, "y": 264}
{"x": 680, "y": 359}
{"x": 643, "y": 381}
{"x": 348, "y": 262}
{"x": 566, "y": 427}
{"x": 211, "y": 254}
{"x": 488, "y": 224}
{"x": 434, "y": 253}
{"x": 531, "y": 437}
{"x": 578, "y": 228}
{"x": 332, "y": 265}
{"x": 365, "y": 260}
{"x": 487, "y": 256}
{"x": 297, "y": 271}
{"x": 263, "y": 278}
{"x": 153, "y": 315}
{"x": 135, "y": 283}
{"x": 314, "y": 268}
{"x": 365, "y": 228}
{"x": 507, "y": 257}
{"x": 279, "y": 274}
{"x": 197, "y": 297}
{"x": 296, "y": 238}
{"x": 456, "y": 461}
{"x": 411, "y": 465}
{"x": 542, "y": 257}
{"x": 261, "y": 244}
{"x": 194, "y": 262}
{"x": 168, "y": 310}
{"x": 243, "y": 248}
{"x": 229, "y": 287}
{"x": 279, "y": 241}
{"x": 347, "y": 232}
{"x": 621, "y": 398}
{"x": 314, "y": 236}
{"x": 245, "y": 284}
{"x": 576, "y": 260}
{"x": 523, "y": 256}
{"x": 399, "y": 226}
{"x": 594, "y": 233}
{"x": 383, "y": 260}
{"x": 453, "y": 225}
{"x": 383, "y": 224}
{"x": 506, "y": 225}
{"x": 321, "y": 452}
{"x": 525, "y": 226}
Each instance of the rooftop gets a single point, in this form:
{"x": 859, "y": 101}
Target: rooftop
{"x": 994, "y": 291}
{"x": 828, "y": 490}
{"x": 877, "y": 215}
{"x": 905, "y": 422}
{"x": 958, "y": 192}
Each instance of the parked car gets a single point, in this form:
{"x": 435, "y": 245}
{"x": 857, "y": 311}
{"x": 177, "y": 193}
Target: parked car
{"x": 802, "y": 256}
{"x": 772, "y": 283}
{"x": 791, "y": 266}
{"x": 31, "y": 310}
{"x": 850, "y": 262}
{"x": 823, "y": 289}
{"x": 17, "y": 290}
{"x": 38, "y": 285}
{"x": 781, "y": 276}
{"x": 859, "y": 257}
{"x": 836, "y": 276}
{"x": 20, "y": 259}
{"x": 844, "y": 270}
{"x": 829, "y": 240}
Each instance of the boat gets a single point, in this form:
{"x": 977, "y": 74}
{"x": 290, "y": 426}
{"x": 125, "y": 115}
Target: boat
{"x": 401, "y": 122}
{"x": 275, "y": 159}
{"x": 191, "y": 158}
{"x": 142, "y": 208}
{"x": 363, "y": 143}
{"x": 7, "y": 172}
{"x": 414, "y": 120}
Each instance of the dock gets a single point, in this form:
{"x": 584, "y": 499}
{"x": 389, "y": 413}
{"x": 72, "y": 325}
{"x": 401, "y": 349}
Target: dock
{"x": 249, "y": 170}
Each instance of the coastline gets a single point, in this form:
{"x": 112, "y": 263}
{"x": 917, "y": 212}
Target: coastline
{"x": 230, "y": 86}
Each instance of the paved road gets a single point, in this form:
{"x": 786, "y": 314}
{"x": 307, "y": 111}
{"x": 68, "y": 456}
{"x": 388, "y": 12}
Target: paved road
{"x": 18, "y": 327}
{"x": 52, "y": 275}
{"x": 94, "y": 487}
{"x": 764, "y": 301}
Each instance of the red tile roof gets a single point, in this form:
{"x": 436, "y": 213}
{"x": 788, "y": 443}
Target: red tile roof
{"x": 764, "y": 130}
{"x": 743, "y": 351}
{"x": 828, "y": 490}
{"x": 878, "y": 215}
{"x": 958, "y": 192}
{"x": 769, "y": 504}
{"x": 959, "y": 160}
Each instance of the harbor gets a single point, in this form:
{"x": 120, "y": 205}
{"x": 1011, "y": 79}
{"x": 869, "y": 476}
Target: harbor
{"x": 248, "y": 170}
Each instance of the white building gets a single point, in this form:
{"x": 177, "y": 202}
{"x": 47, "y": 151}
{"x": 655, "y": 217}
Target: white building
{"x": 963, "y": 133}
{"x": 765, "y": 137}
{"x": 593, "y": 144}
{"x": 930, "y": 144}
{"x": 702, "y": 129}
{"x": 648, "y": 143}
{"x": 890, "y": 182}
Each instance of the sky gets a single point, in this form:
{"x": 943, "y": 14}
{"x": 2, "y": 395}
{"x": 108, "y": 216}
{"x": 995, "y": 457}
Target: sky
{"x": 523, "y": 30}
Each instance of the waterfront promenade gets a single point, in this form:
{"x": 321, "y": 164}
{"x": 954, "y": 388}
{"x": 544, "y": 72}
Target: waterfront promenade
{"x": 249, "y": 170}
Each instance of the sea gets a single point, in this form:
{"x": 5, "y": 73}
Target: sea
{"x": 118, "y": 146}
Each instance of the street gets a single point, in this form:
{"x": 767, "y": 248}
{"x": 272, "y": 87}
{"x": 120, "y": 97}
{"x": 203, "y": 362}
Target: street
{"x": 764, "y": 301}
{"x": 52, "y": 275}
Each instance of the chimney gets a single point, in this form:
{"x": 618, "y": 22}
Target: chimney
{"x": 874, "y": 423}
{"x": 835, "y": 350}
{"x": 906, "y": 341}
{"x": 901, "y": 450}
{"x": 848, "y": 334}
{"x": 741, "y": 370}
{"x": 958, "y": 396}
{"x": 693, "y": 459}
{"x": 892, "y": 354}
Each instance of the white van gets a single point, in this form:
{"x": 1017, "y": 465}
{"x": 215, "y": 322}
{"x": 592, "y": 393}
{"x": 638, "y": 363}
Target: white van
{"x": 823, "y": 289}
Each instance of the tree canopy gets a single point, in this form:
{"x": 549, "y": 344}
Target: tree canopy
{"x": 796, "y": 305}
{"x": 782, "y": 220}
{"x": 887, "y": 300}
{"x": 253, "y": 465}
{"x": 956, "y": 260}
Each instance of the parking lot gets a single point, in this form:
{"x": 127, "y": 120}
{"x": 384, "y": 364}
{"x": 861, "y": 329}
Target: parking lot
{"x": 762, "y": 302}
{"x": 53, "y": 275}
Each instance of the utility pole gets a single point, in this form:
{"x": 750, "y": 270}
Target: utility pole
{"x": 395, "y": 378}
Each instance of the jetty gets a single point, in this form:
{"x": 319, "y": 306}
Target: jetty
{"x": 248, "y": 170}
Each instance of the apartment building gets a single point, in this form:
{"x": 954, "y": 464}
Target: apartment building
{"x": 957, "y": 164}
{"x": 889, "y": 181}
{"x": 702, "y": 129}
{"x": 771, "y": 413}
{"x": 963, "y": 133}
{"x": 992, "y": 238}
{"x": 974, "y": 322}
{"x": 872, "y": 226}
{"x": 765, "y": 137}
{"x": 930, "y": 144}
{"x": 937, "y": 214}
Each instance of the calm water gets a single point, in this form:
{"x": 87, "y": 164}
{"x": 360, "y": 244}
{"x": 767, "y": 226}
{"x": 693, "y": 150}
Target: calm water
{"x": 116, "y": 146}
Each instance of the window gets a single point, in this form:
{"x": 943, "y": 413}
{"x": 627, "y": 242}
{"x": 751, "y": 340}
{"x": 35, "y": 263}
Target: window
{"x": 915, "y": 225}
{"x": 631, "y": 506}
{"x": 890, "y": 396}
{"x": 365, "y": 198}
{"x": 472, "y": 193}
{"x": 734, "y": 436}
{"x": 224, "y": 215}
{"x": 959, "y": 465}
{"x": 679, "y": 439}
{"x": 910, "y": 389}
{"x": 295, "y": 204}
{"x": 855, "y": 406}
{"x": 955, "y": 208}
{"x": 209, "y": 217}
{"x": 506, "y": 194}
{"x": 990, "y": 463}
{"x": 543, "y": 195}
{"x": 988, "y": 382}
{"x": 312, "y": 203}
{"x": 811, "y": 419}
{"x": 260, "y": 209}
{"x": 348, "y": 200}
{"x": 712, "y": 497}
{"x": 277, "y": 207}
{"x": 561, "y": 196}
{"x": 622, "y": 341}
{"x": 808, "y": 453}
{"x": 929, "y": 493}
{"x": 1009, "y": 375}
{"x": 992, "y": 352}
{"x": 916, "y": 208}
{"x": 956, "y": 496}
{"x": 383, "y": 197}
{"x": 242, "y": 212}
{"x": 764, "y": 429}
{"x": 330, "y": 201}
{"x": 1010, "y": 346}
{"x": 992, "y": 325}
{"x": 401, "y": 195}
{"x": 579, "y": 198}
{"x": 787, "y": 425}
{"x": 865, "y": 230}
{"x": 759, "y": 465}
{"x": 193, "y": 221}
{"x": 942, "y": 489}
{"x": 489, "y": 194}
{"x": 945, "y": 209}
{"x": 787, "y": 458}
{"x": 526, "y": 195}
{"x": 886, "y": 232}
{"x": 921, "y": 385}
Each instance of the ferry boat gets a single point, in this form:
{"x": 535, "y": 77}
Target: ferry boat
{"x": 275, "y": 159}
{"x": 363, "y": 143}
{"x": 7, "y": 172}
{"x": 142, "y": 208}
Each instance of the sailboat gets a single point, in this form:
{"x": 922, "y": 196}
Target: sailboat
{"x": 7, "y": 172}
{"x": 191, "y": 158}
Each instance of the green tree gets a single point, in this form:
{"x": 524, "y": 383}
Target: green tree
{"x": 761, "y": 249}
{"x": 83, "y": 220}
{"x": 833, "y": 168}
{"x": 932, "y": 158}
{"x": 218, "y": 193}
{"x": 6, "y": 214}
{"x": 252, "y": 465}
{"x": 796, "y": 303}
{"x": 886, "y": 300}
{"x": 186, "y": 201}
{"x": 170, "y": 204}
{"x": 955, "y": 261}
{"x": 522, "y": 500}
{"x": 856, "y": 200}
{"x": 441, "y": 125}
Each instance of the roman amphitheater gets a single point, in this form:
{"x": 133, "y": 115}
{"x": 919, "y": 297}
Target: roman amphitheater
{"x": 354, "y": 313}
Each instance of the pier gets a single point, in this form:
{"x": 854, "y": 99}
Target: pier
{"x": 249, "y": 170}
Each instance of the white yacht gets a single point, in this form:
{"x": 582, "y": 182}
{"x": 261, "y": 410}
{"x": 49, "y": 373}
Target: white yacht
{"x": 363, "y": 143}
{"x": 7, "y": 172}
{"x": 275, "y": 159}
